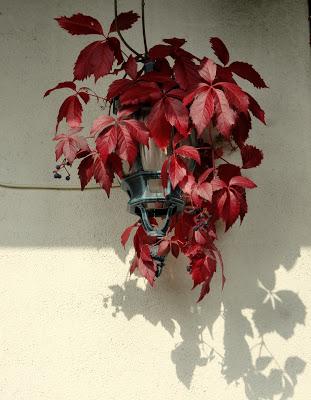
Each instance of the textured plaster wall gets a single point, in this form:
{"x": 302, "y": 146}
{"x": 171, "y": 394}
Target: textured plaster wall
{"x": 72, "y": 325}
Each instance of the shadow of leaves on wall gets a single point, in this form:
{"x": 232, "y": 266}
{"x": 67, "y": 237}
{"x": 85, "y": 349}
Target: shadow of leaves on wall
{"x": 254, "y": 364}
{"x": 249, "y": 308}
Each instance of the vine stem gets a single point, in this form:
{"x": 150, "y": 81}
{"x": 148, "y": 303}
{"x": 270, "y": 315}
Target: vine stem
{"x": 212, "y": 146}
{"x": 144, "y": 26}
{"x": 118, "y": 31}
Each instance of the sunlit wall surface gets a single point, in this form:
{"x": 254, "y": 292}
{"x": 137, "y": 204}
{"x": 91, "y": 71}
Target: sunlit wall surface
{"x": 73, "y": 325}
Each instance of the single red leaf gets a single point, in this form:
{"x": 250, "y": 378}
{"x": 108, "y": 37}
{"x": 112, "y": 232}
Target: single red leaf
{"x": 235, "y": 96}
{"x": 220, "y": 50}
{"x": 130, "y": 67}
{"x": 126, "y": 234}
{"x": 163, "y": 66}
{"x": 188, "y": 152}
{"x": 79, "y": 24}
{"x": 205, "y": 190}
{"x": 175, "y": 249}
{"x": 154, "y": 76}
{"x": 176, "y": 171}
{"x": 101, "y": 123}
{"x": 208, "y": 70}
{"x": 102, "y": 174}
{"x": 225, "y": 116}
{"x": 106, "y": 143}
{"x": 140, "y": 93}
{"x": 69, "y": 145}
{"x": 61, "y": 85}
{"x": 146, "y": 264}
{"x": 202, "y": 110}
{"x": 71, "y": 110}
{"x": 84, "y": 96}
{"x": 251, "y": 156}
{"x": 218, "y": 184}
{"x": 228, "y": 171}
{"x": 134, "y": 264}
{"x": 115, "y": 46}
{"x": 176, "y": 42}
{"x": 123, "y": 21}
{"x": 137, "y": 130}
{"x": 176, "y": 114}
{"x": 241, "y": 128}
{"x": 232, "y": 209}
{"x": 160, "y": 129}
{"x": 247, "y": 71}
{"x": 126, "y": 148}
{"x": 118, "y": 87}
{"x": 86, "y": 171}
{"x": 256, "y": 110}
{"x": 205, "y": 175}
{"x": 160, "y": 51}
{"x": 186, "y": 72}
{"x": 164, "y": 173}
{"x": 95, "y": 59}
{"x": 242, "y": 181}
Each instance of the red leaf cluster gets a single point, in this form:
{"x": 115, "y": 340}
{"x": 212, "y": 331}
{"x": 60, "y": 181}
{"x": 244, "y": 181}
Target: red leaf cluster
{"x": 196, "y": 110}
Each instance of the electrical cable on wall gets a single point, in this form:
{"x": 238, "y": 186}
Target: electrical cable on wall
{"x": 7, "y": 185}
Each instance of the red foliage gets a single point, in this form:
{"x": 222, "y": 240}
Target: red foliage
{"x": 183, "y": 95}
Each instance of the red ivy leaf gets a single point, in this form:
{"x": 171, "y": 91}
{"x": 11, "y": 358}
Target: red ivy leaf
{"x": 189, "y": 152}
{"x": 176, "y": 42}
{"x": 79, "y": 24}
{"x": 175, "y": 249}
{"x": 251, "y": 156}
{"x": 202, "y": 110}
{"x": 115, "y": 46}
{"x": 256, "y": 109}
{"x": 69, "y": 145}
{"x": 95, "y": 59}
{"x": 160, "y": 129}
{"x": 176, "y": 170}
{"x": 61, "y": 85}
{"x": 126, "y": 234}
{"x": 146, "y": 264}
{"x": 84, "y": 96}
{"x": 176, "y": 114}
{"x": 186, "y": 72}
{"x": 208, "y": 70}
{"x": 123, "y": 21}
{"x": 130, "y": 67}
{"x": 220, "y": 50}
{"x": 102, "y": 174}
{"x": 71, "y": 110}
{"x": 160, "y": 51}
{"x": 235, "y": 96}
{"x": 86, "y": 171}
{"x": 242, "y": 181}
{"x": 246, "y": 71}
{"x": 101, "y": 123}
{"x": 164, "y": 173}
{"x": 140, "y": 93}
{"x": 224, "y": 114}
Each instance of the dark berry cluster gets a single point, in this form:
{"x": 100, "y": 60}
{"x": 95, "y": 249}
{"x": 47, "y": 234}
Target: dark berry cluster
{"x": 59, "y": 167}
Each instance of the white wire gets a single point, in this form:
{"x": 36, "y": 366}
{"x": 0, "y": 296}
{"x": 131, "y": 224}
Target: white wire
{"x": 7, "y": 185}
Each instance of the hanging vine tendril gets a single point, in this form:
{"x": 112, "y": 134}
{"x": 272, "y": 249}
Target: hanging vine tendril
{"x": 120, "y": 34}
{"x": 144, "y": 26}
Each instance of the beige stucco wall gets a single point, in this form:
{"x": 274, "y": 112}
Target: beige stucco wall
{"x": 72, "y": 325}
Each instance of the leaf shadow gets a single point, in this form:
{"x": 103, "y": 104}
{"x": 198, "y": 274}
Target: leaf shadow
{"x": 250, "y": 309}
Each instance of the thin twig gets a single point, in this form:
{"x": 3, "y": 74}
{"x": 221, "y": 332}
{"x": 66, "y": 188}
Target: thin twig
{"x": 143, "y": 25}
{"x": 118, "y": 31}
{"x": 212, "y": 146}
